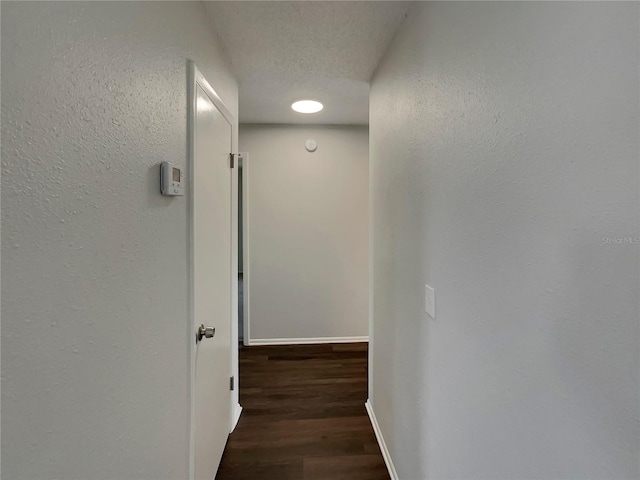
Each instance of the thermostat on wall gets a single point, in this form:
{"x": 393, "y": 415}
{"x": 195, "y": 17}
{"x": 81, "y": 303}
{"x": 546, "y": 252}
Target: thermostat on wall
{"x": 171, "y": 179}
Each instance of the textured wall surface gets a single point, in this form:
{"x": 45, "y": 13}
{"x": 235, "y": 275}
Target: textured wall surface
{"x": 308, "y": 231}
{"x": 94, "y": 260}
{"x": 504, "y": 153}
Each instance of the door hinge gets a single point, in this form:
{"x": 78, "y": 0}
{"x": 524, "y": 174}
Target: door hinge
{"x": 232, "y": 160}
{"x": 232, "y": 383}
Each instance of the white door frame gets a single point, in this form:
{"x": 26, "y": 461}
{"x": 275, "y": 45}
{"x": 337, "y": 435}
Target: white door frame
{"x": 246, "y": 271}
{"x": 196, "y": 79}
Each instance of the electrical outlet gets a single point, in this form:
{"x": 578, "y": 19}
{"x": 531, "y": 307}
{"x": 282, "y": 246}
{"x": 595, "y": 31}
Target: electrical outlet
{"x": 430, "y": 301}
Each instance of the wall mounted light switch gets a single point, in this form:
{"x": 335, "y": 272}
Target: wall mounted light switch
{"x": 430, "y": 301}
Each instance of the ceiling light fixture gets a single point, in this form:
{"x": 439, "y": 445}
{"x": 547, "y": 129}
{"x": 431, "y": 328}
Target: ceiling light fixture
{"x": 307, "y": 106}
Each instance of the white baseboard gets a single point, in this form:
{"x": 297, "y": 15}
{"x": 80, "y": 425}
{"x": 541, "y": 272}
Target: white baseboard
{"x": 235, "y": 416}
{"x": 305, "y": 341}
{"x": 383, "y": 446}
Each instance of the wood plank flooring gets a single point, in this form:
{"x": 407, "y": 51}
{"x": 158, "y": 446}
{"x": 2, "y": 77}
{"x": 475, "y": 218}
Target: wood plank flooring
{"x": 304, "y": 416}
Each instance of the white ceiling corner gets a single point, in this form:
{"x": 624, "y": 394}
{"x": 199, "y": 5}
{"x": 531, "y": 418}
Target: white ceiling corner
{"x": 282, "y": 51}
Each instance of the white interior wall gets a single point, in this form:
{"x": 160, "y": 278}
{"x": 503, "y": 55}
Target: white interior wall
{"x": 504, "y": 154}
{"x": 94, "y": 261}
{"x": 308, "y": 231}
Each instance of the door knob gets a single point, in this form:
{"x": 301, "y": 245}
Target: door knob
{"x": 205, "y": 332}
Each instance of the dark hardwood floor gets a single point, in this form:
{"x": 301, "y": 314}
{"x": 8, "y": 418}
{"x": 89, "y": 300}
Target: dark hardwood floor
{"x": 304, "y": 416}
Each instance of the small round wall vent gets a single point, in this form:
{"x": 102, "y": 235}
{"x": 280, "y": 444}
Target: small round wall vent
{"x": 311, "y": 145}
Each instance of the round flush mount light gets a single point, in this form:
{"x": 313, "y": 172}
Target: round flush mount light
{"x": 307, "y": 106}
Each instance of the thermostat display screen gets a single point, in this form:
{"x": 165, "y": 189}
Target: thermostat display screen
{"x": 176, "y": 174}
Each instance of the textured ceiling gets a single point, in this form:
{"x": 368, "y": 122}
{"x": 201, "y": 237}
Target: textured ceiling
{"x": 287, "y": 51}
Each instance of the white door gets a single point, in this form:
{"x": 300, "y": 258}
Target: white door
{"x": 211, "y": 283}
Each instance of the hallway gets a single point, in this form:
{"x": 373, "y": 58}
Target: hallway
{"x": 454, "y": 183}
{"x": 304, "y": 416}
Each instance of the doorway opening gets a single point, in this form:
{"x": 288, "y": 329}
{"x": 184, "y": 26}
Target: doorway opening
{"x": 243, "y": 249}
{"x": 240, "y": 257}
